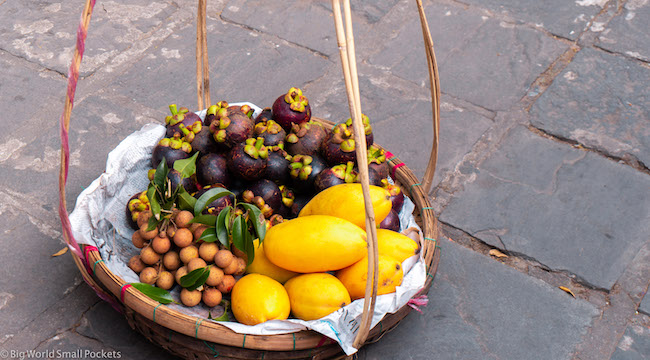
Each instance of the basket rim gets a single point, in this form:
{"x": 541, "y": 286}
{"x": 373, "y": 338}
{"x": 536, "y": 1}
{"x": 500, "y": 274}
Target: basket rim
{"x": 305, "y": 339}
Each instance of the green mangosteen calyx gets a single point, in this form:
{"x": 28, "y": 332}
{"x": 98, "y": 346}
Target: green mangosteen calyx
{"x": 296, "y": 101}
{"x": 366, "y": 124}
{"x": 342, "y": 136}
{"x": 300, "y": 167}
{"x": 255, "y": 148}
{"x": 287, "y": 196}
{"x": 346, "y": 172}
{"x": 376, "y": 155}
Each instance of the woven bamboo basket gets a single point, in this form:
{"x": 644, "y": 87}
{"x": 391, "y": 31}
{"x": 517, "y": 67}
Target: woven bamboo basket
{"x": 191, "y": 337}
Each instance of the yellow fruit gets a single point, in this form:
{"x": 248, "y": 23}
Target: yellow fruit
{"x": 316, "y": 243}
{"x": 313, "y": 296}
{"x": 257, "y": 298}
{"x": 262, "y": 265}
{"x": 346, "y": 201}
{"x": 354, "y": 277}
{"x": 396, "y": 245}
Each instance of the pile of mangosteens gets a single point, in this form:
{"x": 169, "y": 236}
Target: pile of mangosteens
{"x": 277, "y": 160}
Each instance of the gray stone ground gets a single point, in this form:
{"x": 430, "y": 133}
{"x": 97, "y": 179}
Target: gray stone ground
{"x": 544, "y": 153}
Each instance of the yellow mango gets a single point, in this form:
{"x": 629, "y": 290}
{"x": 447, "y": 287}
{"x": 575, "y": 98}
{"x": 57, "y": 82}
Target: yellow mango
{"x": 315, "y": 295}
{"x": 316, "y": 243}
{"x": 262, "y": 265}
{"x": 354, "y": 277}
{"x": 346, "y": 202}
{"x": 258, "y": 298}
{"x": 396, "y": 245}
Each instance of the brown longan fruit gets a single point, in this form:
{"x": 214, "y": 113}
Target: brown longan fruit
{"x": 149, "y": 256}
{"x": 238, "y": 253}
{"x": 208, "y": 250}
{"x": 137, "y": 240}
{"x": 223, "y": 258}
{"x": 215, "y": 277}
{"x": 195, "y": 226}
{"x": 188, "y": 253}
{"x": 226, "y": 284}
{"x": 161, "y": 245}
{"x": 149, "y": 275}
{"x": 171, "y": 231}
{"x": 196, "y": 263}
{"x": 148, "y": 235}
{"x": 171, "y": 261}
{"x": 211, "y": 297}
{"x": 165, "y": 280}
{"x": 183, "y": 219}
{"x": 183, "y": 237}
{"x": 143, "y": 218}
{"x": 232, "y": 268}
{"x": 136, "y": 264}
{"x": 190, "y": 297}
{"x": 198, "y": 231}
{"x": 182, "y": 271}
{"x": 241, "y": 266}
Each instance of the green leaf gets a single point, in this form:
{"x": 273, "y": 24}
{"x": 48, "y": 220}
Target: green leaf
{"x": 201, "y": 280}
{"x": 192, "y": 277}
{"x": 187, "y": 167}
{"x": 257, "y": 219}
{"x": 153, "y": 201}
{"x": 152, "y": 224}
{"x": 224, "y": 317}
{"x": 208, "y": 197}
{"x": 185, "y": 200}
{"x": 209, "y": 235}
{"x": 155, "y": 293}
{"x": 160, "y": 177}
{"x": 221, "y": 228}
{"x": 237, "y": 235}
{"x": 248, "y": 243}
{"x": 204, "y": 219}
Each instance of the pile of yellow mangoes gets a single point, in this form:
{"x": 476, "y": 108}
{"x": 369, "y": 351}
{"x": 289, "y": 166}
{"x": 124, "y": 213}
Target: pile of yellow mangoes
{"x": 321, "y": 258}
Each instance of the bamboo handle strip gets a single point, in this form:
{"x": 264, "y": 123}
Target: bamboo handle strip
{"x": 202, "y": 64}
{"x": 345, "y": 39}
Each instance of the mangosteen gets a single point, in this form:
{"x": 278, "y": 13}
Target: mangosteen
{"x": 367, "y": 129}
{"x": 277, "y": 165}
{"x": 232, "y": 129}
{"x": 188, "y": 183}
{"x": 204, "y": 143}
{"x": 267, "y": 190}
{"x": 181, "y": 118}
{"x": 373, "y": 177}
{"x": 264, "y": 116}
{"x": 170, "y": 149}
{"x": 338, "y": 174}
{"x": 298, "y": 203}
{"x": 287, "y": 201}
{"x": 237, "y": 186}
{"x": 291, "y": 108}
{"x": 391, "y": 221}
{"x": 211, "y": 113}
{"x": 339, "y": 148}
{"x": 271, "y": 131}
{"x": 212, "y": 169}
{"x": 377, "y": 161}
{"x": 305, "y": 138}
{"x": 396, "y": 194}
{"x": 136, "y": 204}
{"x": 215, "y": 207}
{"x": 303, "y": 171}
{"x": 248, "y": 160}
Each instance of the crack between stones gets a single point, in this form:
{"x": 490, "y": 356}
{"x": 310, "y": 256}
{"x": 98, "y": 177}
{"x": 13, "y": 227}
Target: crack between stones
{"x": 31, "y": 62}
{"x": 249, "y": 28}
{"x": 628, "y": 158}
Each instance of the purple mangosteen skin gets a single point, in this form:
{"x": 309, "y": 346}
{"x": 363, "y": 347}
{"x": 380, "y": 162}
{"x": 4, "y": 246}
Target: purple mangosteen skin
{"x": 243, "y": 166}
{"x": 170, "y": 155}
{"x": 264, "y": 116}
{"x": 284, "y": 116}
{"x": 327, "y": 179}
{"x": 381, "y": 169}
{"x": 204, "y": 143}
{"x": 212, "y": 169}
{"x": 269, "y": 191}
{"x": 398, "y": 201}
{"x": 277, "y": 168}
{"x": 189, "y": 120}
{"x": 189, "y": 184}
{"x": 334, "y": 155}
{"x": 391, "y": 221}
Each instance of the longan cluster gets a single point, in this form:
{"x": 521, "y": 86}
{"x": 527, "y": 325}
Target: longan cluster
{"x": 168, "y": 254}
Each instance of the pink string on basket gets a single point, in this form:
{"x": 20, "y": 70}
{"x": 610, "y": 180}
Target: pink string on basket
{"x": 73, "y": 77}
{"x": 418, "y": 301}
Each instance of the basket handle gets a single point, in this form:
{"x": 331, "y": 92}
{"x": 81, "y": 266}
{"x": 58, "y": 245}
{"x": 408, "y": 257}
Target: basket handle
{"x": 202, "y": 64}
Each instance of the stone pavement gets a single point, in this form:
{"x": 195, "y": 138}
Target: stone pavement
{"x": 544, "y": 153}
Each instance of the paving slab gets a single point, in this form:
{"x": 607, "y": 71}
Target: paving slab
{"x": 31, "y": 281}
{"x": 559, "y": 17}
{"x": 44, "y": 32}
{"x": 105, "y": 325}
{"x": 645, "y": 304}
{"x": 569, "y": 209}
{"x": 260, "y": 74}
{"x": 481, "y": 309}
{"x": 634, "y": 345}
{"x": 602, "y": 101}
{"x": 627, "y": 33}
{"x": 511, "y": 56}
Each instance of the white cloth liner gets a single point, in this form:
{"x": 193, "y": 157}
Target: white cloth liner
{"x": 99, "y": 219}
